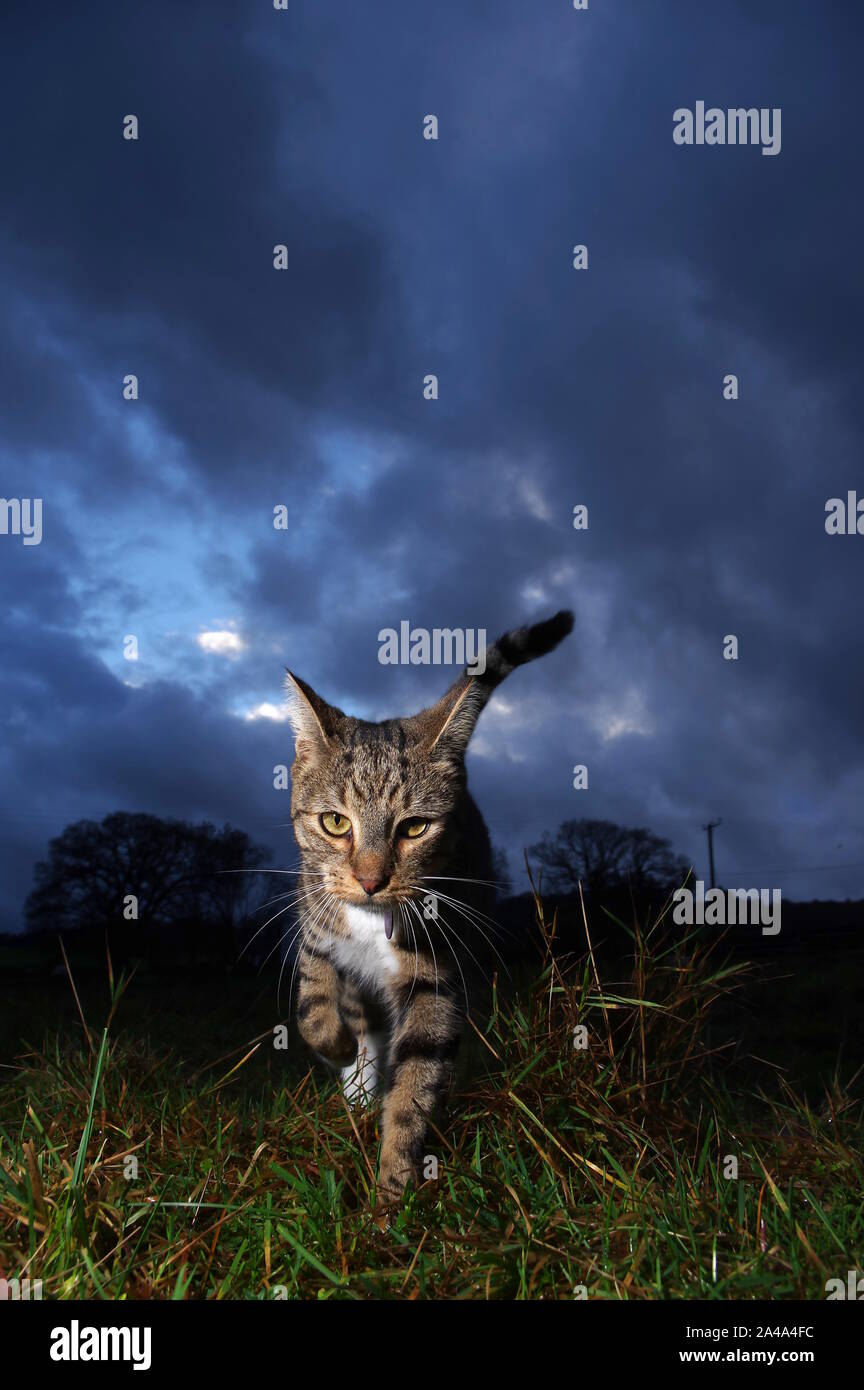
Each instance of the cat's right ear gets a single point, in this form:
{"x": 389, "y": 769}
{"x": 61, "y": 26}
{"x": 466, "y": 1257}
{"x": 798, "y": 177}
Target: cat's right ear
{"x": 311, "y": 718}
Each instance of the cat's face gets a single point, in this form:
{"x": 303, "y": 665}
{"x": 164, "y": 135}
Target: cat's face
{"x": 379, "y": 810}
{"x": 375, "y": 809}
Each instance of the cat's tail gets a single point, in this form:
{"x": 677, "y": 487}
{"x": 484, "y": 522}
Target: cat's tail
{"x": 450, "y": 723}
{"x": 523, "y": 644}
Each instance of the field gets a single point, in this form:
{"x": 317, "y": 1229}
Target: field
{"x": 155, "y": 1144}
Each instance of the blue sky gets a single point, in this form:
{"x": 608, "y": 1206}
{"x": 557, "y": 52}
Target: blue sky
{"x": 304, "y": 388}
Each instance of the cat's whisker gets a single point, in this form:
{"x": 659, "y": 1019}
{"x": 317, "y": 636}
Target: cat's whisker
{"x": 278, "y": 943}
{"x": 282, "y": 938}
{"x": 419, "y": 917}
{"x": 315, "y": 894}
{"x": 324, "y": 909}
{"x": 295, "y": 934}
{"x": 307, "y": 873}
{"x": 406, "y": 922}
{"x": 490, "y": 921}
{"x": 477, "y": 919}
{"x": 475, "y": 927}
{"x": 295, "y": 892}
{"x": 444, "y": 925}
{"x": 449, "y": 946}
{"x": 278, "y": 899}
{"x": 257, "y": 933}
{"x": 296, "y": 895}
{"x": 470, "y": 916}
{"x": 449, "y": 878}
{"x": 328, "y": 927}
{"x": 295, "y": 930}
{"x": 412, "y": 907}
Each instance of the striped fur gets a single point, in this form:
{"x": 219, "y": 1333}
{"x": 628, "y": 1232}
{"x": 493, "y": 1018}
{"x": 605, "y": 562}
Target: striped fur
{"x": 386, "y": 975}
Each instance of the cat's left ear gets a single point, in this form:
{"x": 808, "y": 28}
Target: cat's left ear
{"x": 312, "y": 719}
{"x": 449, "y": 724}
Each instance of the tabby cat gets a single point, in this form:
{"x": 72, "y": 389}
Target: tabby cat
{"x": 393, "y": 892}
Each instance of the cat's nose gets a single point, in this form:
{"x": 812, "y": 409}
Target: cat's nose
{"x": 372, "y": 885}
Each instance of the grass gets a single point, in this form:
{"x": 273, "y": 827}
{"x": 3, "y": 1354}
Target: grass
{"x": 127, "y": 1173}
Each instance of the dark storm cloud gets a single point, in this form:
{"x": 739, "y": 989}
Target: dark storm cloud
{"x": 304, "y": 388}
{"x": 166, "y": 245}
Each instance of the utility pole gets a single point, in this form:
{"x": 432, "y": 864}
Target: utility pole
{"x": 711, "y": 827}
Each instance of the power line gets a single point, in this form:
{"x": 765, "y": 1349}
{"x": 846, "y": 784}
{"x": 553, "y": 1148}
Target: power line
{"x": 804, "y": 869}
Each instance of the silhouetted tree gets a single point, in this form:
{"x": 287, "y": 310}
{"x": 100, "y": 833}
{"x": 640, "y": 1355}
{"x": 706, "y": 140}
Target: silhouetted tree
{"x": 606, "y": 857}
{"x": 177, "y": 872}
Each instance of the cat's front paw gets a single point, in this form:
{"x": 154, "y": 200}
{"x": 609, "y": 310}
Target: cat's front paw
{"x": 393, "y": 1178}
{"x": 330, "y": 1037}
{"x": 387, "y": 1203}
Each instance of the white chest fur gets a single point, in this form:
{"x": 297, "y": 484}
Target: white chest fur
{"x": 366, "y": 953}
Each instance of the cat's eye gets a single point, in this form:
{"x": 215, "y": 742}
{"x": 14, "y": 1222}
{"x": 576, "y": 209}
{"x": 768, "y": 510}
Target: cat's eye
{"x": 413, "y": 829}
{"x": 335, "y": 823}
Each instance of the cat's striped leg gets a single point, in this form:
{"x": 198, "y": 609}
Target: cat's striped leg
{"x": 319, "y": 1019}
{"x": 420, "y": 1064}
{"x": 362, "y": 1077}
